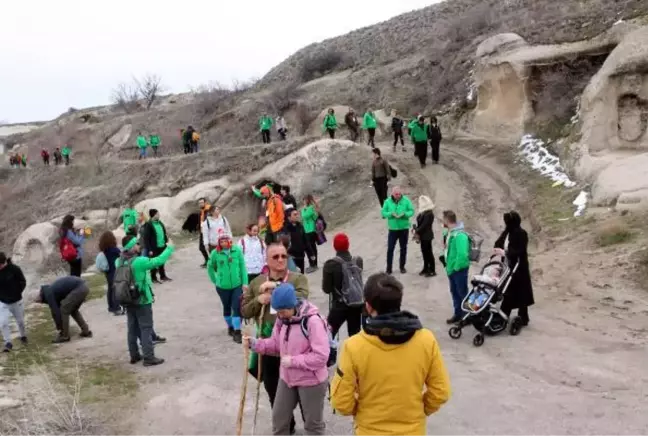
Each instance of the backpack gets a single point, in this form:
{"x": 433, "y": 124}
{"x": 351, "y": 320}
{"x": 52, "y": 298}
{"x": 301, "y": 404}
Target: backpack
{"x": 126, "y": 292}
{"x": 475, "y": 242}
{"x": 352, "y": 292}
{"x": 195, "y": 136}
{"x": 101, "y": 262}
{"x": 333, "y": 346}
{"x": 393, "y": 171}
{"x": 68, "y": 251}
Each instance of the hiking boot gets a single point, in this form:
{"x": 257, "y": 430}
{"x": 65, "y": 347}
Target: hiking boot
{"x": 166, "y": 279}
{"x": 230, "y": 331}
{"x": 7, "y": 347}
{"x": 424, "y": 272}
{"x": 403, "y": 271}
{"x": 153, "y": 362}
{"x": 455, "y": 319}
{"x": 204, "y": 265}
{"x": 156, "y": 281}
{"x": 430, "y": 274}
{"x": 135, "y": 360}
{"x": 237, "y": 337}
{"x": 388, "y": 272}
{"x": 23, "y": 340}
{"x": 159, "y": 340}
{"x": 311, "y": 269}
{"x": 87, "y": 334}
{"x": 61, "y": 339}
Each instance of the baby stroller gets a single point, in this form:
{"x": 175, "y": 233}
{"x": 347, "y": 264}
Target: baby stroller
{"x": 481, "y": 304}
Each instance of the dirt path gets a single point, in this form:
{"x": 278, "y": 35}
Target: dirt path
{"x": 572, "y": 371}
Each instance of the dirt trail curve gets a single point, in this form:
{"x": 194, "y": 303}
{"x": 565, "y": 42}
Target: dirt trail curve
{"x": 567, "y": 373}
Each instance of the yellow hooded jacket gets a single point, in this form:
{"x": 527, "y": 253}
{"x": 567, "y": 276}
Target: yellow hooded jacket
{"x": 390, "y": 389}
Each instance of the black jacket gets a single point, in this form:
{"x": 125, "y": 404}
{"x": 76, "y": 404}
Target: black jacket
{"x": 434, "y": 134}
{"x": 289, "y": 199}
{"x": 423, "y": 226}
{"x": 351, "y": 120}
{"x": 53, "y": 294}
{"x": 12, "y": 283}
{"x": 397, "y": 125}
{"x": 520, "y": 290}
{"x": 332, "y": 276}
{"x": 149, "y": 237}
{"x": 297, "y": 240}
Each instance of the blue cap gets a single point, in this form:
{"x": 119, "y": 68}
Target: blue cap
{"x": 284, "y": 297}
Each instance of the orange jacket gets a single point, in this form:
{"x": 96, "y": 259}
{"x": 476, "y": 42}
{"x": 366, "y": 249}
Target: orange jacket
{"x": 275, "y": 213}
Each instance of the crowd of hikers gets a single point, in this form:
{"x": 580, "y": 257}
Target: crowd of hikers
{"x": 18, "y": 160}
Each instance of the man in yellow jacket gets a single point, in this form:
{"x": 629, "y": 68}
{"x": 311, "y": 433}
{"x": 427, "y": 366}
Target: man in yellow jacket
{"x": 383, "y": 369}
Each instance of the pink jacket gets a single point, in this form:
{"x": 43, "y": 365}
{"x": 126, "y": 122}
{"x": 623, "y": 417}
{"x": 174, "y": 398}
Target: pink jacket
{"x": 308, "y": 354}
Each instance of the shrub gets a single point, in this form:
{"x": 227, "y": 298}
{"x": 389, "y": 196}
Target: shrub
{"x": 305, "y": 116}
{"x": 283, "y": 98}
{"x": 613, "y": 234}
{"x": 320, "y": 64}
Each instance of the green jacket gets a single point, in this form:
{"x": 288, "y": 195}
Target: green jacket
{"x": 265, "y": 123}
{"x": 141, "y": 266}
{"x": 404, "y": 207}
{"x": 142, "y": 142}
{"x": 309, "y": 217}
{"x": 154, "y": 140}
{"x": 417, "y": 132}
{"x": 457, "y": 251}
{"x": 226, "y": 268}
{"x": 65, "y": 151}
{"x": 129, "y": 217}
{"x": 369, "y": 121}
{"x": 330, "y": 122}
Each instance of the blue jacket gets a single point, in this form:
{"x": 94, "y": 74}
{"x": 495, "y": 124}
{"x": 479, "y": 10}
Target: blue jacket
{"x": 77, "y": 240}
{"x": 53, "y": 294}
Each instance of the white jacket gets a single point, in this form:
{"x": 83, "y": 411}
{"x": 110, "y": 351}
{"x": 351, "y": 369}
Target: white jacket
{"x": 280, "y": 123}
{"x": 254, "y": 252}
{"x": 212, "y": 228}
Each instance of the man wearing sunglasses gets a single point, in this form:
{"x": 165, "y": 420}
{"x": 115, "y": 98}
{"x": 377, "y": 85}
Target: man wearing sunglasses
{"x": 258, "y": 295}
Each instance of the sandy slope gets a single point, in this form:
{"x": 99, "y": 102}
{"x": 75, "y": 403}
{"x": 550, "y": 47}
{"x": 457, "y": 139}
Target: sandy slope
{"x": 578, "y": 368}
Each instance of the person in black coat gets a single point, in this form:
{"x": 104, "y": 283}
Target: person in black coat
{"x": 424, "y": 235}
{"x": 298, "y": 244}
{"x": 287, "y": 197}
{"x": 519, "y": 294}
{"x": 12, "y": 285}
{"x": 153, "y": 233}
{"x": 435, "y": 137}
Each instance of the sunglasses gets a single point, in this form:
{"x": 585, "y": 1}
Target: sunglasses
{"x": 280, "y": 256}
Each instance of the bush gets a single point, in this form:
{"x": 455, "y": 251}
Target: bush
{"x": 613, "y": 234}
{"x": 210, "y": 98}
{"x": 320, "y": 64}
{"x": 305, "y": 116}
{"x": 283, "y": 98}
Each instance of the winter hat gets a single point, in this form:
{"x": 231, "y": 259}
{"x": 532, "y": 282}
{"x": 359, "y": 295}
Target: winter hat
{"x": 425, "y": 203}
{"x": 152, "y": 212}
{"x": 284, "y": 297}
{"x": 341, "y": 242}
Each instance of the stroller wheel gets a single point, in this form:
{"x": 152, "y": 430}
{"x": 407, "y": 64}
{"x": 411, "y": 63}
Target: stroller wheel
{"x": 478, "y": 340}
{"x": 516, "y": 326}
{"x": 454, "y": 332}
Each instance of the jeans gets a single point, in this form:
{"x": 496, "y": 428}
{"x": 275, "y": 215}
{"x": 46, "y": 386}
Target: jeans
{"x": 394, "y": 236}
{"x": 70, "y": 308}
{"x": 194, "y": 146}
{"x": 231, "y": 300}
{"x": 458, "y": 289}
{"x": 142, "y": 153}
{"x": 140, "y": 326}
{"x": 113, "y": 306}
{"x": 18, "y": 311}
{"x": 75, "y": 267}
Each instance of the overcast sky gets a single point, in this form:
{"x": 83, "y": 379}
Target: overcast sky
{"x": 57, "y": 54}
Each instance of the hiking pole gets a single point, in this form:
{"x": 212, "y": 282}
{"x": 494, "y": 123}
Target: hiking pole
{"x": 239, "y": 421}
{"x": 259, "y": 362}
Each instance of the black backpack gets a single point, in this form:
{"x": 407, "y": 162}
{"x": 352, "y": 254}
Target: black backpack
{"x": 126, "y": 291}
{"x": 352, "y": 292}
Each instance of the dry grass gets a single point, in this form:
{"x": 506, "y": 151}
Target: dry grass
{"x": 613, "y": 234}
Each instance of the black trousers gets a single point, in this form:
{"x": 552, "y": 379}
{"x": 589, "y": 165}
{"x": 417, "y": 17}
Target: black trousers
{"x": 299, "y": 261}
{"x": 155, "y": 252}
{"x": 331, "y": 133}
{"x": 311, "y": 248}
{"x": 429, "y": 264}
{"x": 372, "y": 135}
{"x": 353, "y": 133}
{"x": 421, "y": 151}
{"x": 201, "y": 247}
{"x": 380, "y": 185}
{"x": 398, "y": 135}
{"x": 339, "y": 314}
{"x": 265, "y": 136}
{"x": 282, "y": 134}
{"x": 523, "y": 311}
{"x": 435, "y": 151}
{"x": 75, "y": 267}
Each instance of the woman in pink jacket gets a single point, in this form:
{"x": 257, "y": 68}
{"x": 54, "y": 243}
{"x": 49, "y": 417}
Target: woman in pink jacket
{"x": 301, "y": 338}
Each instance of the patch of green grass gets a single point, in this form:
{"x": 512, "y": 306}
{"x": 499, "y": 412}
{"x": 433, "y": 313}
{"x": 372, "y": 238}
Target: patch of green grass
{"x": 99, "y": 381}
{"x": 40, "y": 332}
{"x": 613, "y": 235}
{"x": 97, "y": 285}
{"x": 184, "y": 238}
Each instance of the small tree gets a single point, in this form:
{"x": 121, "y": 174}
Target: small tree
{"x": 126, "y": 97}
{"x": 149, "y": 88}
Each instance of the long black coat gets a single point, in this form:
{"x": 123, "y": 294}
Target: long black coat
{"x": 520, "y": 290}
{"x": 423, "y": 227}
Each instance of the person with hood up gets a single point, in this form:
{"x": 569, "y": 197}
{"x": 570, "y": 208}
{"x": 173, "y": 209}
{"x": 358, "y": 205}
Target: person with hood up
{"x": 352, "y": 123}
{"x": 330, "y": 123}
{"x": 397, "y": 128}
{"x": 154, "y": 141}
{"x": 227, "y": 271}
{"x": 281, "y": 127}
{"x": 213, "y": 227}
{"x": 370, "y": 124}
{"x": 397, "y": 210}
{"x": 297, "y": 248}
{"x": 391, "y": 376}
{"x": 64, "y": 298}
{"x": 457, "y": 259}
{"x": 309, "y": 215}
{"x": 46, "y": 157}
{"x": 12, "y": 286}
{"x": 519, "y": 294}
{"x": 58, "y": 157}
{"x": 300, "y": 337}
{"x": 419, "y": 133}
{"x": 254, "y": 251}
{"x": 435, "y": 137}
{"x": 424, "y": 235}
{"x": 66, "y": 152}
{"x": 77, "y": 239}
{"x": 265, "y": 124}
{"x": 380, "y": 175}
{"x": 142, "y": 144}
{"x": 140, "y": 316}
{"x": 275, "y": 213}
{"x": 129, "y": 219}
{"x": 156, "y": 240}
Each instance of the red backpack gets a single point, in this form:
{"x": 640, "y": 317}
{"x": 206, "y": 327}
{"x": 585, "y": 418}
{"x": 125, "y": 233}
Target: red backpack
{"x": 67, "y": 249}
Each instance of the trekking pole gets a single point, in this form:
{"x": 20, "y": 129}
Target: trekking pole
{"x": 239, "y": 421}
{"x": 259, "y": 362}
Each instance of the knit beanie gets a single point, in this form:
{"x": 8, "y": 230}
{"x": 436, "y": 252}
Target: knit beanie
{"x": 152, "y": 212}
{"x": 341, "y": 242}
{"x": 284, "y": 297}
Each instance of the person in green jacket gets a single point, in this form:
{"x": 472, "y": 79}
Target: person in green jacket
{"x": 309, "y": 215}
{"x": 370, "y": 124}
{"x": 142, "y": 144}
{"x": 65, "y": 152}
{"x": 457, "y": 262}
{"x": 330, "y": 123}
{"x": 154, "y": 141}
{"x": 397, "y": 210}
{"x": 265, "y": 124}
{"x": 129, "y": 219}
{"x": 418, "y": 132}
{"x": 140, "y": 316}
{"x": 227, "y": 271}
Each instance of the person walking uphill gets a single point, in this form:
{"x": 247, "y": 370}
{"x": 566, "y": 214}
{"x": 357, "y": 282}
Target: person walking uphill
{"x": 205, "y": 208}
{"x": 154, "y": 141}
{"x": 226, "y": 270}
{"x": 155, "y": 241}
{"x": 46, "y": 157}
{"x": 397, "y": 128}
{"x": 457, "y": 258}
{"x": 391, "y": 376}
{"x": 274, "y": 212}
{"x": 129, "y": 219}
{"x": 71, "y": 245}
{"x": 418, "y": 133}
{"x": 254, "y": 251}
{"x": 309, "y": 215}
{"x": 380, "y": 175}
{"x": 142, "y": 144}
{"x": 12, "y": 286}
{"x": 64, "y": 298}
{"x": 256, "y": 297}
{"x": 520, "y": 291}
{"x": 435, "y": 137}
{"x": 424, "y": 235}
{"x": 330, "y": 123}
{"x": 58, "y": 157}
{"x": 140, "y": 315}
{"x": 352, "y": 123}
{"x": 66, "y": 152}
{"x": 298, "y": 245}
{"x": 370, "y": 123}
{"x": 301, "y": 339}
{"x": 265, "y": 124}
{"x": 398, "y": 211}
